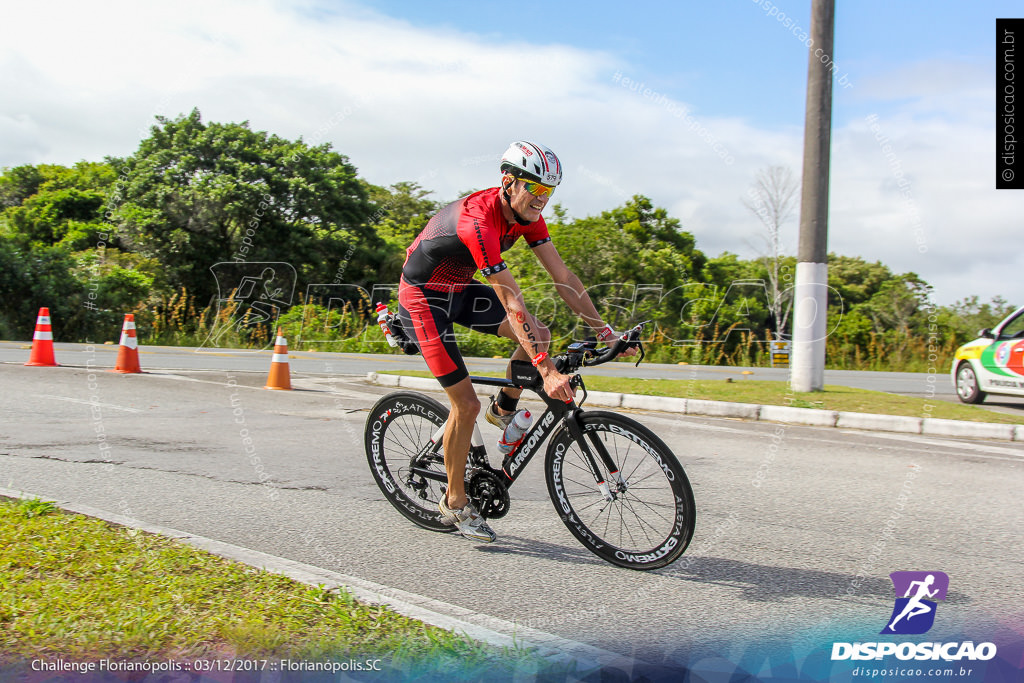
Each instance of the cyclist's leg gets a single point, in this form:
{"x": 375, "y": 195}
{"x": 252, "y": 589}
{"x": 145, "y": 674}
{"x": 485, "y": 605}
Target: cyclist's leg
{"x": 458, "y": 433}
{"x": 426, "y": 314}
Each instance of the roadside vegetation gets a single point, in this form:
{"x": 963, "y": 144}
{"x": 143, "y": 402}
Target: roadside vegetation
{"x": 738, "y": 389}
{"x": 213, "y": 234}
{"x": 81, "y": 589}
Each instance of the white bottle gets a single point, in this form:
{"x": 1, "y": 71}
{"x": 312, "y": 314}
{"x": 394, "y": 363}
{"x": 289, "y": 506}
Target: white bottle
{"x": 382, "y": 314}
{"x": 513, "y": 434}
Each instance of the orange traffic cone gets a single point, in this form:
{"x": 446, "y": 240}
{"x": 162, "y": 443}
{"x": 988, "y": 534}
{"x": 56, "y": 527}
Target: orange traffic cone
{"x": 279, "y": 378}
{"x": 42, "y": 342}
{"x": 128, "y": 352}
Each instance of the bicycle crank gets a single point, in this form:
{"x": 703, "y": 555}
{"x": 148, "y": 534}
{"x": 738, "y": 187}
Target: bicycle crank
{"x": 488, "y": 493}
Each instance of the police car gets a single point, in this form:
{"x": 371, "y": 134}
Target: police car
{"x": 993, "y": 363}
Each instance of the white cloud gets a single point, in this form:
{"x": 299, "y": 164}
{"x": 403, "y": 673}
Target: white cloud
{"x": 404, "y": 103}
{"x": 918, "y": 192}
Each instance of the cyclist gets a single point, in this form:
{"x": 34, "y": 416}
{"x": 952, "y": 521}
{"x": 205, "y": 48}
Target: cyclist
{"x": 437, "y": 289}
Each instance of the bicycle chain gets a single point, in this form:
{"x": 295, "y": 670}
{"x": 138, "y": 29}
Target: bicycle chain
{"x": 488, "y": 493}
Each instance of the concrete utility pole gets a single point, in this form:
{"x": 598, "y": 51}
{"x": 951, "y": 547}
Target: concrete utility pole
{"x": 811, "y": 291}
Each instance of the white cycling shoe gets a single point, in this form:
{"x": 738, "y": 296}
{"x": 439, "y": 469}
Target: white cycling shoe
{"x": 467, "y": 520}
{"x": 492, "y": 416}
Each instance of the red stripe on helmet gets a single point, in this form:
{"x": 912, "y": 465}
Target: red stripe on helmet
{"x": 541, "y": 154}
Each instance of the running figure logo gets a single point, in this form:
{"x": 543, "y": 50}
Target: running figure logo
{"x": 916, "y": 593}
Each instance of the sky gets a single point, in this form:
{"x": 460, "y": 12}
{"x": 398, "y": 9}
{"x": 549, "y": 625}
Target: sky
{"x": 683, "y": 102}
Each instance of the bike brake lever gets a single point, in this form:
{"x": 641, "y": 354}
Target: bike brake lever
{"x": 579, "y": 383}
{"x": 633, "y": 335}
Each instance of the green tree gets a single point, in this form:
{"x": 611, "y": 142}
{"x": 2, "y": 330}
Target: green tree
{"x": 53, "y": 253}
{"x": 19, "y": 183}
{"x": 68, "y": 215}
{"x": 402, "y": 210}
{"x": 965, "y": 318}
{"x": 50, "y": 204}
{"x": 897, "y": 305}
{"x": 197, "y": 194}
{"x": 31, "y": 278}
{"x": 635, "y": 261}
{"x": 746, "y": 293}
{"x": 853, "y": 280}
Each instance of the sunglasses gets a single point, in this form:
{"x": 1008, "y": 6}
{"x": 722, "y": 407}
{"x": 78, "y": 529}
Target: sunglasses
{"x": 538, "y": 189}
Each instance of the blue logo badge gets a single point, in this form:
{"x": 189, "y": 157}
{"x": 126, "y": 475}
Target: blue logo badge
{"x": 916, "y": 595}
{"x": 1003, "y": 353}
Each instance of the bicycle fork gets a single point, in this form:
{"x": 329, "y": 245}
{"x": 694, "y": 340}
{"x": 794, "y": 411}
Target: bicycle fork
{"x": 582, "y": 438}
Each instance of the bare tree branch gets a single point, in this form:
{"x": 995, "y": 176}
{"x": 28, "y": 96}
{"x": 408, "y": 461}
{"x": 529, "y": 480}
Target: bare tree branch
{"x": 773, "y": 199}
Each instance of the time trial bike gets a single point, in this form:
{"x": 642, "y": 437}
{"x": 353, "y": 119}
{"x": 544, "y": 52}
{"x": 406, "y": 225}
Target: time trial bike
{"x": 616, "y": 486}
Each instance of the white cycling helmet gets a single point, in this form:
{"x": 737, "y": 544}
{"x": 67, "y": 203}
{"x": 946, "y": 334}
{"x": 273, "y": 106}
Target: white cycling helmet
{"x": 532, "y": 161}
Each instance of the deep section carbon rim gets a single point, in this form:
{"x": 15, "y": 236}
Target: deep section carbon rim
{"x": 398, "y": 429}
{"x": 650, "y": 518}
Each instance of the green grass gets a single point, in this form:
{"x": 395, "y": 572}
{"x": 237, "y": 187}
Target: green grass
{"x": 766, "y": 392}
{"x": 80, "y": 588}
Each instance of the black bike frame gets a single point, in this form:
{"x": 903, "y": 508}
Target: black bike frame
{"x": 515, "y": 462}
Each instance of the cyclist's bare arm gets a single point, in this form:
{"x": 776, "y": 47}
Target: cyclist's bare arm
{"x": 571, "y": 288}
{"x": 556, "y": 385}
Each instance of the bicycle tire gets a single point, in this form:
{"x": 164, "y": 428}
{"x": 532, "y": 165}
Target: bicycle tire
{"x": 398, "y": 426}
{"x": 657, "y": 487}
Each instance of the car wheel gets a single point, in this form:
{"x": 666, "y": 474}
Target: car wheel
{"x": 967, "y": 385}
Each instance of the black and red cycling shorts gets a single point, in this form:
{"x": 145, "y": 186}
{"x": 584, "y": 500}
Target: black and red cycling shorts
{"x": 428, "y": 315}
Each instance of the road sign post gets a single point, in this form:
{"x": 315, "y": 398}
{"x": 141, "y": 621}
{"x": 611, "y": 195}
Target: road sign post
{"x": 779, "y": 352}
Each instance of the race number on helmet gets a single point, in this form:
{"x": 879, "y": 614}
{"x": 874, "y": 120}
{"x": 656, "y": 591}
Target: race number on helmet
{"x": 533, "y": 162}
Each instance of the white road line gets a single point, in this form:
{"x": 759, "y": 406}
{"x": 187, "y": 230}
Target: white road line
{"x": 324, "y": 386}
{"x": 90, "y": 403}
{"x": 1014, "y": 453}
{"x": 689, "y": 421}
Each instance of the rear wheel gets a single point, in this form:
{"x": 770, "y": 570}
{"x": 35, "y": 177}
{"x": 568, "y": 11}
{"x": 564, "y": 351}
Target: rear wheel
{"x": 400, "y": 452}
{"x": 967, "y": 387}
{"x": 644, "y": 517}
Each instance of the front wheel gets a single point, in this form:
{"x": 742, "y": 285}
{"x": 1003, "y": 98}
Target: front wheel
{"x": 643, "y": 515}
{"x": 967, "y": 386}
{"x": 407, "y": 465}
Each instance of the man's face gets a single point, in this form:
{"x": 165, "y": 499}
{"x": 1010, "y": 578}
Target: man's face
{"x": 525, "y": 204}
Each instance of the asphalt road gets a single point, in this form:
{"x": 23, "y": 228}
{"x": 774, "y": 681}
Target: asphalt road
{"x": 212, "y": 453}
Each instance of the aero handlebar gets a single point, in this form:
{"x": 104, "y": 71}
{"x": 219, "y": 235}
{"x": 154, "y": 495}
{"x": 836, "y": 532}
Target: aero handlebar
{"x": 629, "y": 339}
{"x": 585, "y": 354}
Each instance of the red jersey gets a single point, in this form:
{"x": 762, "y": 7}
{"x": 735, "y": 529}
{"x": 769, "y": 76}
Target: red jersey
{"x": 465, "y": 236}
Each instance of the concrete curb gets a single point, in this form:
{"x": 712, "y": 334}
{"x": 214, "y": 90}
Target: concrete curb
{"x": 930, "y": 426}
{"x": 638, "y": 402}
{"x": 607, "y": 399}
{"x": 882, "y": 423}
{"x": 743, "y": 411}
{"x": 803, "y": 416}
{"x": 482, "y": 627}
{"x": 417, "y": 383}
{"x": 982, "y": 430}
